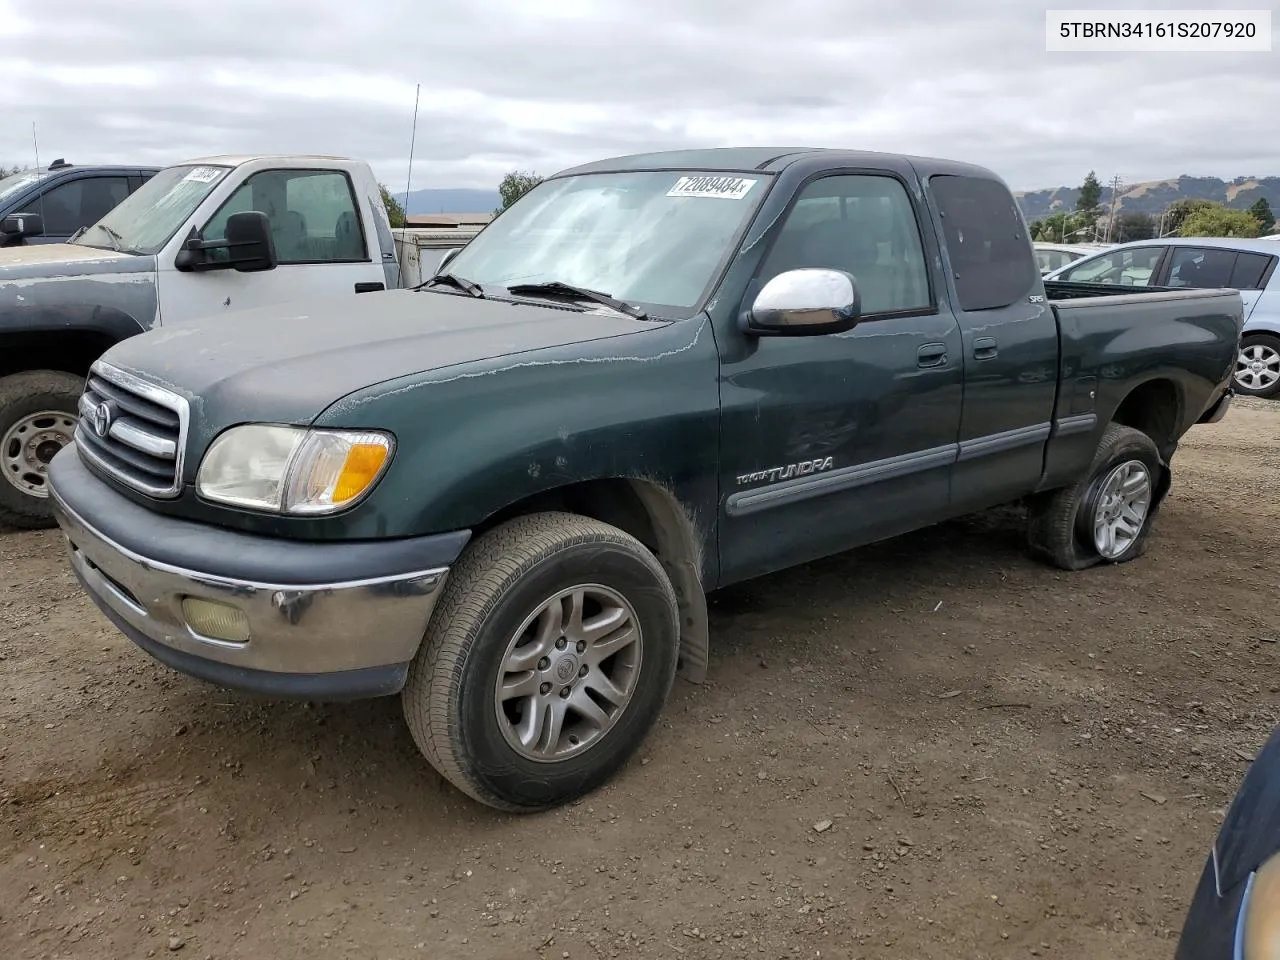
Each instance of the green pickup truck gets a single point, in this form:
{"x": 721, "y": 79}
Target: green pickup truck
{"x": 504, "y": 496}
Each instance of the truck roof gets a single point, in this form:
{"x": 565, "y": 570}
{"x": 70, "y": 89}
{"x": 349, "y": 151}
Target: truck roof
{"x": 767, "y": 159}
{"x": 238, "y": 159}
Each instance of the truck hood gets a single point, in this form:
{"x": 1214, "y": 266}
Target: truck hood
{"x": 65, "y": 259}
{"x": 287, "y": 363}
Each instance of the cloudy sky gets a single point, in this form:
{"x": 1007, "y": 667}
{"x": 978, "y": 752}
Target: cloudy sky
{"x": 542, "y": 84}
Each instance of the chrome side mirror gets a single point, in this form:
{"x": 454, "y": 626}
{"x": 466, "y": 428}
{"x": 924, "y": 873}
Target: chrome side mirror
{"x": 805, "y": 303}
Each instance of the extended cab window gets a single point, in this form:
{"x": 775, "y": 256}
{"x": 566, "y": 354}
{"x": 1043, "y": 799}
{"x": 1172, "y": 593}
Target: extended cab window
{"x": 1130, "y": 267}
{"x": 986, "y": 240}
{"x": 68, "y": 207}
{"x": 864, "y": 225}
{"x": 313, "y": 215}
{"x": 1209, "y": 268}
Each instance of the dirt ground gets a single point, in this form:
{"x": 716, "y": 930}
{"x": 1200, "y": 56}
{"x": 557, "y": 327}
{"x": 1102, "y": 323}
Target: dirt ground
{"x": 931, "y": 748}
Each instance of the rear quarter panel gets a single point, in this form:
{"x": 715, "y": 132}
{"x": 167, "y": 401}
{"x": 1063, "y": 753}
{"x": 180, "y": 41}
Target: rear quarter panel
{"x": 1265, "y": 315}
{"x": 1112, "y": 345}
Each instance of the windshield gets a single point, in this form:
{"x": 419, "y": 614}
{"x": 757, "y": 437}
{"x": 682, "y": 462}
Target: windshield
{"x": 145, "y": 220}
{"x": 13, "y": 185}
{"x": 653, "y": 239}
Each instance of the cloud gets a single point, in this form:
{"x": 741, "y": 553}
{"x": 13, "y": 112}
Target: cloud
{"x": 533, "y": 84}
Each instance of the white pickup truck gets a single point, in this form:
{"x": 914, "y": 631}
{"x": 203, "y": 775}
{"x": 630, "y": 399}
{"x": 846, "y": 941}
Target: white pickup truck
{"x": 199, "y": 239}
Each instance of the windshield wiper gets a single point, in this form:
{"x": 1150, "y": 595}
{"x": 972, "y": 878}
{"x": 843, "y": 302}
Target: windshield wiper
{"x": 580, "y": 293}
{"x": 117, "y": 241}
{"x": 469, "y": 287}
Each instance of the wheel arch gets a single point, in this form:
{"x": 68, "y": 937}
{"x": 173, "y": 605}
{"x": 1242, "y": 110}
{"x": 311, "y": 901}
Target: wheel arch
{"x": 1157, "y": 408}
{"x": 69, "y": 351}
{"x": 654, "y": 515}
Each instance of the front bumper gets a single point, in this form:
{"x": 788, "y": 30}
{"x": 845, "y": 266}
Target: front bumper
{"x": 325, "y": 620}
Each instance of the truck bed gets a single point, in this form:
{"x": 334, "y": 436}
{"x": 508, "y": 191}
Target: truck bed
{"x": 1113, "y": 338}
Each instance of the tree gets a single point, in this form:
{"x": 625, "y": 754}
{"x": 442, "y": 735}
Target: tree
{"x": 1090, "y": 199}
{"x": 1216, "y": 220}
{"x": 1060, "y": 227}
{"x": 1134, "y": 226}
{"x": 8, "y": 171}
{"x": 1178, "y": 212}
{"x": 1261, "y": 211}
{"x": 514, "y": 186}
{"x": 395, "y": 212}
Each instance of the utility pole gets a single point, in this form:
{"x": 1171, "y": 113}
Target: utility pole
{"x": 1115, "y": 196}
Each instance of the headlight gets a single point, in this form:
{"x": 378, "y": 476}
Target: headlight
{"x": 292, "y": 469}
{"x": 1258, "y": 923}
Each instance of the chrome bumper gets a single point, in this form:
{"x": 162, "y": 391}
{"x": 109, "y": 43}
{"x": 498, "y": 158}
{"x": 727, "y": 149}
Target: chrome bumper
{"x": 347, "y": 639}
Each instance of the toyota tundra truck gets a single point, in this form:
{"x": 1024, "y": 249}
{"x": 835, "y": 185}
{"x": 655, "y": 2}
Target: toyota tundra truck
{"x": 504, "y": 497}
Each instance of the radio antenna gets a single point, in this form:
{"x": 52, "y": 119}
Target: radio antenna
{"x": 35, "y": 143}
{"x": 413, "y": 137}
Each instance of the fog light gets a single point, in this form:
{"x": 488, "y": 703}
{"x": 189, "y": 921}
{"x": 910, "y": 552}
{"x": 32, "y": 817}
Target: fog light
{"x": 218, "y": 621}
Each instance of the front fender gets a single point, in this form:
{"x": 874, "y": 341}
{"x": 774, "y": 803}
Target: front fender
{"x": 478, "y": 437}
{"x": 116, "y": 303}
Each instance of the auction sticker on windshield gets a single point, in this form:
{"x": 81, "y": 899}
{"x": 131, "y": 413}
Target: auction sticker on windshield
{"x": 724, "y": 188}
{"x": 203, "y": 174}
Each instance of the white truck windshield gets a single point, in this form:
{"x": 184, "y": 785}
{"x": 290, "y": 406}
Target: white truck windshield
{"x": 145, "y": 220}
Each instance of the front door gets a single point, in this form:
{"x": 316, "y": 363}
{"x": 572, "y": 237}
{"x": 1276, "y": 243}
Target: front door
{"x": 833, "y": 441}
{"x": 322, "y": 250}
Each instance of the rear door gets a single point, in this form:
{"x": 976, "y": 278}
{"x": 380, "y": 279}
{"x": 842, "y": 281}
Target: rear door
{"x": 1010, "y": 340}
{"x": 320, "y": 238}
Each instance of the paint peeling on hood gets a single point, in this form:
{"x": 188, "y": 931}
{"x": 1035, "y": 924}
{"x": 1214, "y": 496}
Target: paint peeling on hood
{"x": 45, "y": 253}
{"x": 22, "y": 268}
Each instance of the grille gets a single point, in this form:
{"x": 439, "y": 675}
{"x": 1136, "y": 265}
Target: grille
{"x": 133, "y": 430}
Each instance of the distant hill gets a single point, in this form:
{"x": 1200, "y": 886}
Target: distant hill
{"x": 1155, "y": 196}
{"x": 446, "y": 200}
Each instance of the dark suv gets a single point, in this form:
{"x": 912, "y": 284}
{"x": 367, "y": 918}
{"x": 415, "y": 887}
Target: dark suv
{"x": 49, "y": 206}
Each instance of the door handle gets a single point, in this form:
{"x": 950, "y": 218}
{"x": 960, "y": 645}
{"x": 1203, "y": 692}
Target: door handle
{"x": 931, "y": 355}
{"x": 984, "y": 348}
{"x": 369, "y": 286}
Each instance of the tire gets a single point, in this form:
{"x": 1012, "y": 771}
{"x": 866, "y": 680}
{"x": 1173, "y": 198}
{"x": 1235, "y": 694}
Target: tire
{"x": 24, "y": 455}
{"x": 1060, "y": 527}
{"x": 1258, "y": 364}
{"x": 504, "y": 578}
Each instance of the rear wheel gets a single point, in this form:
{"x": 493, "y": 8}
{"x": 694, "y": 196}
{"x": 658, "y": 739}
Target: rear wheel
{"x": 546, "y": 663}
{"x": 1107, "y": 516}
{"x": 37, "y": 419}
{"x": 1258, "y": 365}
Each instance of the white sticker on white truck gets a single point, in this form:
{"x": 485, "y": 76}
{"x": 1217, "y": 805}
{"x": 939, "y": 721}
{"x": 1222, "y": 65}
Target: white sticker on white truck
{"x": 723, "y": 188}
{"x": 203, "y": 174}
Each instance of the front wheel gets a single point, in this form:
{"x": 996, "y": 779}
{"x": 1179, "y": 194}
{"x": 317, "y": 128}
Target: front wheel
{"x": 1107, "y": 516}
{"x": 38, "y": 417}
{"x": 1258, "y": 365}
{"x": 547, "y": 661}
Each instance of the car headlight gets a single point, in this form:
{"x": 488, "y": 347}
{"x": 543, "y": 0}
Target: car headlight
{"x": 1258, "y": 923}
{"x": 292, "y": 469}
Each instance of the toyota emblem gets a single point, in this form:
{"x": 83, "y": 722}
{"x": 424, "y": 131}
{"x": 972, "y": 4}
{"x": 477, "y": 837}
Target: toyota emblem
{"x": 102, "y": 419}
